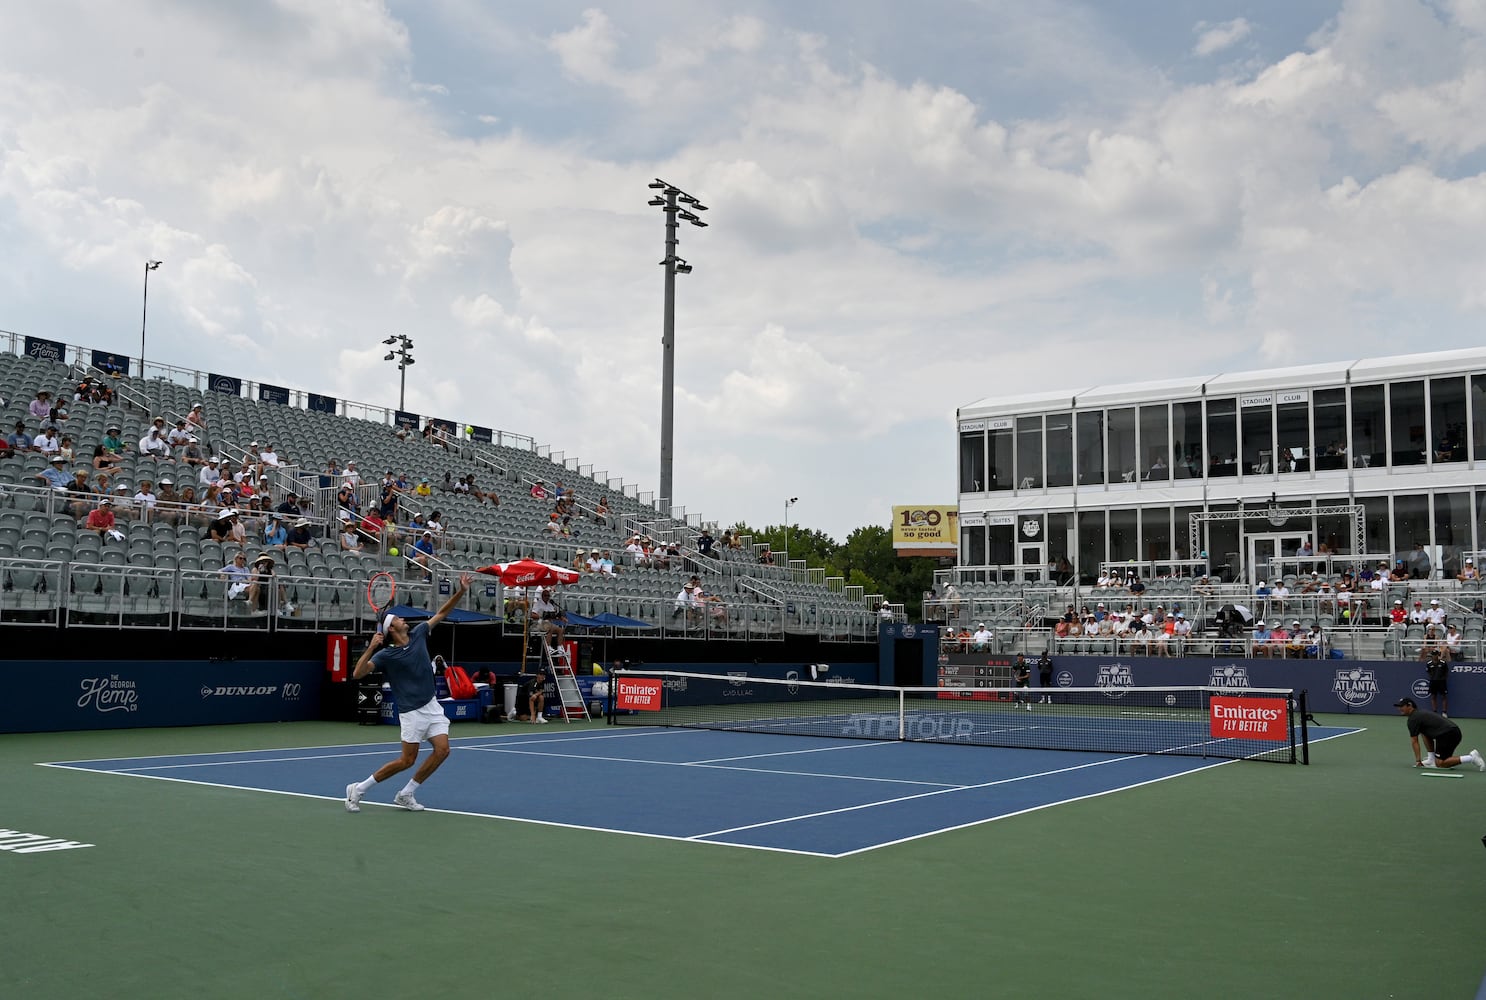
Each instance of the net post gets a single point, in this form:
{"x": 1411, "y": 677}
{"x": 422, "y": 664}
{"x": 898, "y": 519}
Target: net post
{"x": 1305, "y": 730}
{"x": 902, "y": 714}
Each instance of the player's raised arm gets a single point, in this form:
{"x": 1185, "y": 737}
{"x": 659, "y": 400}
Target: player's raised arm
{"x": 464, "y": 584}
{"x": 363, "y": 665}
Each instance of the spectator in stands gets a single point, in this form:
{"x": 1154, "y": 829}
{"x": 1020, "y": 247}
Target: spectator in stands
{"x": 209, "y": 473}
{"x": 41, "y": 407}
{"x": 1398, "y": 617}
{"x": 606, "y": 564}
{"x": 1468, "y": 572}
{"x": 1418, "y": 616}
{"x": 349, "y": 541}
{"x": 716, "y": 611}
{"x": 1436, "y": 613}
{"x": 112, "y": 442}
{"x": 1261, "y": 638}
{"x": 1419, "y": 566}
{"x": 153, "y": 445}
{"x": 705, "y": 542}
{"x": 178, "y": 436}
{"x": 601, "y": 512}
{"x": 447, "y": 486}
{"x": 553, "y": 527}
{"x": 346, "y": 500}
{"x": 538, "y": 490}
{"x": 351, "y": 475}
{"x": 1452, "y": 643}
{"x": 593, "y": 563}
{"x": 299, "y": 534}
{"x": 423, "y": 490}
{"x": 54, "y": 475}
{"x": 982, "y": 638}
{"x": 101, "y": 518}
{"x": 220, "y": 529}
{"x": 290, "y": 507}
{"x": 766, "y": 557}
{"x": 270, "y": 455}
{"x": 191, "y": 453}
{"x": 436, "y": 525}
{"x": 387, "y": 497}
{"x": 683, "y": 602}
{"x": 81, "y": 495}
{"x": 196, "y": 420}
{"x": 123, "y": 508}
{"x": 47, "y": 442}
{"x": 580, "y": 560}
{"x": 515, "y": 607}
{"x": 239, "y": 577}
{"x": 20, "y": 440}
{"x": 422, "y": 553}
{"x": 377, "y": 532}
{"x": 274, "y": 532}
{"x": 404, "y": 483}
{"x": 144, "y": 497}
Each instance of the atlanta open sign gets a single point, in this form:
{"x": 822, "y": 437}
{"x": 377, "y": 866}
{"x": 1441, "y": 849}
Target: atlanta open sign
{"x": 1249, "y": 719}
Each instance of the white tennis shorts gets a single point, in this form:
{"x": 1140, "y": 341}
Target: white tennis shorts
{"x": 424, "y": 723}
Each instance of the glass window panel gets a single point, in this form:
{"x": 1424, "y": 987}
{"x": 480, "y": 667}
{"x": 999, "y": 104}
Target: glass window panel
{"x": 1293, "y": 437}
{"x": 1369, "y": 437}
{"x": 1091, "y": 448}
{"x": 1447, "y": 418}
{"x": 1222, "y": 546}
{"x": 1376, "y": 526}
{"x": 1452, "y": 529}
{"x": 973, "y": 546}
{"x": 973, "y": 462}
{"x": 998, "y": 544}
{"x": 1091, "y": 547}
{"x": 1335, "y": 530}
{"x": 1478, "y": 416}
{"x": 1028, "y": 452}
{"x": 1123, "y": 542}
{"x": 1406, "y": 422}
{"x": 1155, "y": 443}
{"x": 1222, "y": 438}
{"x": 1058, "y": 541}
{"x": 1181, "y": 530}
{"x": 1186, "y": 423}
{"x": 1001, "y": 470}
{"x": 1060, "y": 449}
{"x": 1329, "y": 410}
{"x": 1258, "y": 440}
{"x": 1155, "y": 532}
{"x": 1122, "y": 457}
{"x": 1411, "y": 533}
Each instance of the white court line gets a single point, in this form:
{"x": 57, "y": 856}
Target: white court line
{"x": 721, "y": 767}
{"x": 448, "y": 812}
{"x": 789, "y": 753}
{"x": 919, "y": 795}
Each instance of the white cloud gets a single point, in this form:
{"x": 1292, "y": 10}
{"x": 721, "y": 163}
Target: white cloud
{"x": 1213, "y": 38}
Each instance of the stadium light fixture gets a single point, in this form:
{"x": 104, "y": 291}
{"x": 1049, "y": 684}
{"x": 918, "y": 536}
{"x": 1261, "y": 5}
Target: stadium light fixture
{"x": 403, "y": 359}
{"x": 787, "y": 505}
{"x": 144, "y": 314}
{"x": 669, "y": 201}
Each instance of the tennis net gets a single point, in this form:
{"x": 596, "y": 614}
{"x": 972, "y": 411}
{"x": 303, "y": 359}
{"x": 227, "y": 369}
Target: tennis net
{"x": 1248, "y": 723}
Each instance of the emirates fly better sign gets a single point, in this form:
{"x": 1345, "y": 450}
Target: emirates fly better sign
{"x": 1249, "y": 719}
{"x": 638, "y": 694}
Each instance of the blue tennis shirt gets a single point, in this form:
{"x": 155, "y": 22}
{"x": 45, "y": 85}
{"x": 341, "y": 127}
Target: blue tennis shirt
{"x": 409, "y": 669}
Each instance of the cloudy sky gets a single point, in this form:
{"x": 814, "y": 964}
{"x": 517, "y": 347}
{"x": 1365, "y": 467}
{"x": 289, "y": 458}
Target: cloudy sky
{"x": 913, "y": 207}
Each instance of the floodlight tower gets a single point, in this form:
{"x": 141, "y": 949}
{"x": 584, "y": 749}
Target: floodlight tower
{"x": 677, "y": 205}
{"x": 403, "y": 359}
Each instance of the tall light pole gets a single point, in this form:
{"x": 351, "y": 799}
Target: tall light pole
{"x": 676, "y": 204}
{"x": 403, "y": 358}
{"x": 787, "y": 505}
{"x": 144, "y": 314}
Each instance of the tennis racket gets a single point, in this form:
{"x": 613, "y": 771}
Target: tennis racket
{"x": 381, "y": 591}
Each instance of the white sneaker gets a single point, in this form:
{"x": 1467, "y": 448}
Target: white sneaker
{"x": 406, "y": 800}
{"x": 1480, "y": 761}
{"x": 1028, "y": 704}
{"x": 541, "y": 720}
{"x": 353, "y": 797}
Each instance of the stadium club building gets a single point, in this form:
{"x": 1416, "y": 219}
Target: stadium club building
{"x": 1243, "y": 477}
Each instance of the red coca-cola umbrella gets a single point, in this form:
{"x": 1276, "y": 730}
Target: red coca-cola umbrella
{"x": 528, "y": 573}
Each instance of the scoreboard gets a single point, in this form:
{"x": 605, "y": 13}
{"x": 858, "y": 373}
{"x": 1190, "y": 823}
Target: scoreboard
{"x": 991, "y": 672}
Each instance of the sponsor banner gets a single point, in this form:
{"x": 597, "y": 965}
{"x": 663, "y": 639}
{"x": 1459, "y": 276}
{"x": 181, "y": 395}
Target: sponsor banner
{"x": 113, "y": 364}
{"x": 641, "y": 694}
{"x": 273, "y": 394}
{"x": 927, "y": 527}
{"x": 228, "y": 385}
{"x": 1333, "y": 686}
{"x": 447, "y": 426}
{"x": 1249, "y": 719}
{"x": 321, "y": 404}
{"x": 402, "y": 418}
{"x": 481, "y": 435}
{"x": 46, "y": 350}
{"x": 117, "y": 694}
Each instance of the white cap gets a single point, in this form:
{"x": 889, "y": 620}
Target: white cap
{"x": 1261, "y": 621}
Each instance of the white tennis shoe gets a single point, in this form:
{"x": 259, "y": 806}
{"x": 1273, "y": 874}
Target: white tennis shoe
{"x": 353, "y": 798}
{"x": 406, "y": 800}
{"x": 1475, "y": 755}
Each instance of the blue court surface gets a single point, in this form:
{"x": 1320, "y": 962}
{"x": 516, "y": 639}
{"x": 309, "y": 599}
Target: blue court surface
{"x": 801, "y": 795}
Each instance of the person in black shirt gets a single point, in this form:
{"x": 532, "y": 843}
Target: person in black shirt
{"x": 1022, "y": 676}
{"x": 1441, "y": 738}
{"x": 1438, "y": 672}
{"x": 1045, "y": 678}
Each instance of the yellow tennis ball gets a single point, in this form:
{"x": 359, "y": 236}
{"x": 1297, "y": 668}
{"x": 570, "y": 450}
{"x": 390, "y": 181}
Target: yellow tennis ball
{"x": 469, "y": 428}
{"x": 392, "y": 551}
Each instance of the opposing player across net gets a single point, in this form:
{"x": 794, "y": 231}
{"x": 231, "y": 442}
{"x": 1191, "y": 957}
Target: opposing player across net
{"x": 1250, "y": 724}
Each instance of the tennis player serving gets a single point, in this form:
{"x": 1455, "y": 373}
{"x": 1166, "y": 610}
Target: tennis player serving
{"x": 402, "y": 654}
